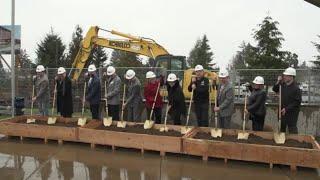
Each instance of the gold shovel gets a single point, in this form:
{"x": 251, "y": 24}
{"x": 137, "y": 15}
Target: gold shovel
{"x": 52, "y": 120}
{"x": 215, "y": 132}
{"x": 82, "y": 121}
{"x": 107, "y": 121}
{"x": 31, "y": 119}
{"x": 243, "y": 134}
{"x": 121, "y": 123}
{"x": 186, "y": 129}
{"x": 279, "y": 137}
{"x": 149, "y": 123}
{"x": 165, "y": 128}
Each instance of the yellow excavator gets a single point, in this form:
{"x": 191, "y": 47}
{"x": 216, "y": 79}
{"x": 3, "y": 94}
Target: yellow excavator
{"x": 139, "y": 45}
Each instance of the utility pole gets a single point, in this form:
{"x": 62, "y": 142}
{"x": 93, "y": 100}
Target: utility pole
{"x": 12, "y": 56}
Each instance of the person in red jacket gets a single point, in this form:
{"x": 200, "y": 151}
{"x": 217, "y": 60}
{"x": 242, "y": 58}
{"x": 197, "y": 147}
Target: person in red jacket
{"x": 150, "y": 91}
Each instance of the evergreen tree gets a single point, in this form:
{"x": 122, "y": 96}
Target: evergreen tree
{"x": 50, "y": 51}
{"x": 247, "y": 53}
{"x": 97, "y": 56}
{"x": 74, "y": 46}
{"x": 24, "y": 60}
{"x": 201, "y": 53}
{"x": 290, "y": 59}
{"x": 269, "y": 40}
{"x": 317, "y": 61}
{"x": 125, "y": 59}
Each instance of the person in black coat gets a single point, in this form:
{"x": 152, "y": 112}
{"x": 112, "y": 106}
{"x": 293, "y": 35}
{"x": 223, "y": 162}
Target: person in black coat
{"x": 176, "y": 99}
{"x": 290, "y": 100}
{"x": 94, "y": 92}
{"x": 200, "y": 87}
{"x": 64, "y": 93}
{"x": 257, "y": 104}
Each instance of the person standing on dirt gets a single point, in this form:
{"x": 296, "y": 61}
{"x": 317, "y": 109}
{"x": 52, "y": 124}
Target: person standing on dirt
{"x": 94, "y": 92}
{"x": 176, "y": 99}
{"x": 150, "y": 92}
{"x": 225, "y": 100}
{"x": 42, "y": 90}
{"x": 64, "y": 93}
{"x": 290, "y": 100}
{"x": 200, "y": 87}
{"x": 134, "y": 99}
{"x": 257, "y": 104}
{"x": 113, "y": 92}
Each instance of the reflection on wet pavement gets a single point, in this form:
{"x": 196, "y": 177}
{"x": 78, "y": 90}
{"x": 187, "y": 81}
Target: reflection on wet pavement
{"x": 31, "y": 159}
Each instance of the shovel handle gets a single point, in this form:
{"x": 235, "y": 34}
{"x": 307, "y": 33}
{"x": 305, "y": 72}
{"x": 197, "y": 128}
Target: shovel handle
{"x": 190, "y": 103}
{"x": 32, "y": 99}
{"x": 105, "y": 94}
{"x": 84, "y": 97}
{"x": 244, "y": 111}
{"x": 124, "y": 94}
{"x": 166, "y": 115}
{"x": 279, "y": 113}
{"x": 215, "y": 105}
{"x": 54, "y": 98}
{"x": 154, "y": 100}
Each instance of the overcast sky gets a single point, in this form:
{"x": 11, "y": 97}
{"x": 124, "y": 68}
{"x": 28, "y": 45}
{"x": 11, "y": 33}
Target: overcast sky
{"x": 175, "y": 24}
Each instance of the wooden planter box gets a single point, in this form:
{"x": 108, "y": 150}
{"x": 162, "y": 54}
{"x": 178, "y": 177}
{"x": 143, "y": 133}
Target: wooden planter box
{"x": 255, "y": 152}
{"x": 14, "y": 127}
{"x": 163, "y": 144}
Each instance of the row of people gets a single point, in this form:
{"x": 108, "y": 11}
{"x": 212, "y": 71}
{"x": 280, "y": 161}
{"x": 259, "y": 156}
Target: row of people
{"x": 199, "y": 85}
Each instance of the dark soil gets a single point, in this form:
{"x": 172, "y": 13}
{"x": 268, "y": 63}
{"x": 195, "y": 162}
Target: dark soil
{"x": 40, "y": 122}
{"x": 140, "y": 130}
{"x": 253, "y": 139}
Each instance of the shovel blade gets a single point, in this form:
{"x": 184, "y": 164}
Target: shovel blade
{"x": 164, "y": 129}
{"x": 52, "y": 120}
{"x": 279, "y": 138}
{"x": 31, "y": 120}
{"x": 148, "y": 124}
{"x": 107, "y": 121}
{"x": 185, "y": 130}
{"x": 82, "y": 121}
{"x": 215, "y": 132}
{"x": 243, "y": 135}
{"x": 121, "y": 124}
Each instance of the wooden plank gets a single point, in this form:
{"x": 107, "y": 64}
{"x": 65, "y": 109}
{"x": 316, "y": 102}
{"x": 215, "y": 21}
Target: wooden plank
{"x": 254, "y": 152}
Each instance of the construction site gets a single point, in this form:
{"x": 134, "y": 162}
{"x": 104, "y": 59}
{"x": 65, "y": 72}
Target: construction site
{"x": 85, "y": 120}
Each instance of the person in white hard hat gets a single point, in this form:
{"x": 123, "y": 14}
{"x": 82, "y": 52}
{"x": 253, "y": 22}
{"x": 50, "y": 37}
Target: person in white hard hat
{"x": 94, "y": 92}
{"x": 256, "y": 104}
{"x": 42, "y": 90}
{"x": 113, "y": 92}
{"x": 200, "y": 86}
{"x": 134, "y": 98}
{"x": 64, "y": 93}
{"x": 150, "y": 90}
{"x": 225, "y": 100}
{"x": 290, "y": 100}
{"x": 176, "y": 99}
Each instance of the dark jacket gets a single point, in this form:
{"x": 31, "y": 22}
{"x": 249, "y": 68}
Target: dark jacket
{"x": 176, "y": 98}
{"x": 257, "y": 102}
{"x": 201, "y": 92}
{"x": 290, "y": 96}
{"x": 64, "y": 97}
{"x": 94, "y": 90}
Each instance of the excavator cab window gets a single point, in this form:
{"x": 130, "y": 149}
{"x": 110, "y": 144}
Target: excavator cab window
{"x": 172, "y": 64}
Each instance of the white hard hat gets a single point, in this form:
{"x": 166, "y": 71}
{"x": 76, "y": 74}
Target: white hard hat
{"x": 130, "y": 74}
{"x": 198, "y": 68}
{"x": 150, "y": 74}
{"x": 61, "y": 70}
{"x": 40, "y": 68}
{"x": 92, "y": 68}
{"x": 290, "y": 72}
{"x": 110, "y": 70}
{"x": 172, "y": 77}
{"x": 258, "y": 80}
{"x": 223, "y": 73}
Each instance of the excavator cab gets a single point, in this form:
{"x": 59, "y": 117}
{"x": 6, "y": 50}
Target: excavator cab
{"x": 172, "y": 64}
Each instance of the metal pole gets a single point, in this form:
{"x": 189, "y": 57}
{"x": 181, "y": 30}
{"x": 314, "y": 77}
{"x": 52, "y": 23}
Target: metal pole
{"x": 12, "y": 56}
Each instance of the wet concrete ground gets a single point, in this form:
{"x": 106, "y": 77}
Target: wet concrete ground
{"x": 31, "y": 159}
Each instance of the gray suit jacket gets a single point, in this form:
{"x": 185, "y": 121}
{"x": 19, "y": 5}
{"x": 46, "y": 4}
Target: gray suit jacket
{"x": 226, "y": 100}
{"x": 113, "y": 90}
